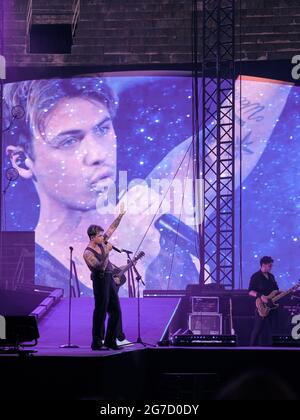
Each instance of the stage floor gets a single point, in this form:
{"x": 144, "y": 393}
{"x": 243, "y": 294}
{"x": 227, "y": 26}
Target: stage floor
{"x": 155, "y": 315}
{"x": 151, "y": 374}
{"x": 85, "y": 351}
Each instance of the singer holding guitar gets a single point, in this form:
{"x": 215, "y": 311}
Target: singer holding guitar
{"x": 261, "y": 285}
{"x": 96, "y": 256}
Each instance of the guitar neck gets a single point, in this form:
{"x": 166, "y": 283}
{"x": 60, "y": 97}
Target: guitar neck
{"x": 283, "y": 294}
{"x": 126, "y": 268}
{"x": 130, "y": 264}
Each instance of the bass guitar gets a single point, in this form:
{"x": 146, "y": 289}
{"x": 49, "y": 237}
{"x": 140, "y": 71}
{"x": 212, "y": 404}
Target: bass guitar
{"x": 264, "y": 309}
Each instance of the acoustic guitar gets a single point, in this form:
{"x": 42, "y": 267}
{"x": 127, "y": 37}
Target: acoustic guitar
{"x": 119, "y": 273}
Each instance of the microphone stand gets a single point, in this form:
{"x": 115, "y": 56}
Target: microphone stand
{"x": 138, "y": 279}
{"x": 130, "y": 276}
{"x": 71, "y": 290}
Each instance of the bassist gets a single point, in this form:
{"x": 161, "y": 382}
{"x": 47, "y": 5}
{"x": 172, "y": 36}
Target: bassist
{"x": 261, "y": 285}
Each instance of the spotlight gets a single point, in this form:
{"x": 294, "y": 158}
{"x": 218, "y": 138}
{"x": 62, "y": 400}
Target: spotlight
{"x": 18, "y": 112}
{"x": 12, "y": 174}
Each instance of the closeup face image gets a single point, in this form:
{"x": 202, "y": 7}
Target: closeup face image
{"x": 78, "y": 152}
{"x": 149, "y": 203}
{"x": 74, "y": 147}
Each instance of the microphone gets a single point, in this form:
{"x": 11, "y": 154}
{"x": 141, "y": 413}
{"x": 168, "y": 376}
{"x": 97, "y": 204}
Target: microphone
{"x": 126, "y": 251}
{"x": 113, "y": 247}
{"x": 172, "y": 229}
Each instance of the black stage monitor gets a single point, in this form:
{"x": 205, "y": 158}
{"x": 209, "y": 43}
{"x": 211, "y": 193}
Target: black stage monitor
{"x": 18, "y": 330}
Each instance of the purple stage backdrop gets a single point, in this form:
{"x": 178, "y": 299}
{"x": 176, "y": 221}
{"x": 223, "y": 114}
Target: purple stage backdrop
{"x": 84, "y": 144}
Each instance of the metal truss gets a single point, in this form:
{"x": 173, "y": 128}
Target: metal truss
{"x": 2, "y": 75}
{"x": 218, "y": 134}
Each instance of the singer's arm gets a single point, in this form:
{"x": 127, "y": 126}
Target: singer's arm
{"x": 91, "y": 260}
{"x": 115, "y": 224}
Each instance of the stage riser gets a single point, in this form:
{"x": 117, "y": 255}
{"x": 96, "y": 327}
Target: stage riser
{"x": 243, "y": 310}
{"x": 158, "y": 374}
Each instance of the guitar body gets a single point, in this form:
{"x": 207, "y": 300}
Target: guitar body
{"x": 264, "y": 309}
{"x": 119, "y": 272}
{"x": 118, "y": 277}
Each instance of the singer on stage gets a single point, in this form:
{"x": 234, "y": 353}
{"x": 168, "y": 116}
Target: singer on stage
{"x": 96, "y": 256}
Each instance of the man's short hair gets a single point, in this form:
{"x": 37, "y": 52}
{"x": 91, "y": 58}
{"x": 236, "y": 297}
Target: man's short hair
{"x": 38, "y": 97}
{"x": 266, "y": 260}
{"x": 93, "y": 230}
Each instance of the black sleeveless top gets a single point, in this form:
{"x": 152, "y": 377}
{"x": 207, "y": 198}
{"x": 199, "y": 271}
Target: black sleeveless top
{"x": 103, "y": 258}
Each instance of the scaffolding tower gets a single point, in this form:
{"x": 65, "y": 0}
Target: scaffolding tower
{"x": 218, "y": 138}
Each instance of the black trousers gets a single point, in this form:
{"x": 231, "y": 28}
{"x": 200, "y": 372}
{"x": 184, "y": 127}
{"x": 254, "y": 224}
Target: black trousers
{"x": 264, "y": 329}
{"x": 106, "y": 302}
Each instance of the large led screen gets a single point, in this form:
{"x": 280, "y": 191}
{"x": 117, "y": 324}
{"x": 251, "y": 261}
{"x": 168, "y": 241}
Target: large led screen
{"x": 83, "y": 145}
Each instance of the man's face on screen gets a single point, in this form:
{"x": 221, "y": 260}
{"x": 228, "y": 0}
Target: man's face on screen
{"x": 76, "y": 155}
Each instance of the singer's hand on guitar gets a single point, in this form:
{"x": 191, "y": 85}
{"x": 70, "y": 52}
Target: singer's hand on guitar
{"x": 264, "y": 299}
